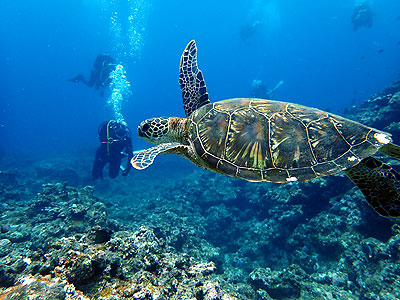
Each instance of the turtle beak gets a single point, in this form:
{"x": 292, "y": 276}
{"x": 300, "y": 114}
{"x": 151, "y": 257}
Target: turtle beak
{"x": 140, "y": 132}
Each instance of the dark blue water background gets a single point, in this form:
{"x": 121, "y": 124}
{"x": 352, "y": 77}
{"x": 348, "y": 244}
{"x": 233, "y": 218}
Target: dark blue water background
{"x": 310, "y": 45}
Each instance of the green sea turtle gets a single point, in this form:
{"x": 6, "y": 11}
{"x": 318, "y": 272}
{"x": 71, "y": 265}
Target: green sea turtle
{"x": 265, "y": 140}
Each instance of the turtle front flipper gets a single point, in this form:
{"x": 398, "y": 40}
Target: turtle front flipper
{"x": 193, "y": 87}
{"x": 380, "y": 185}
{"x": 145, "y": 158}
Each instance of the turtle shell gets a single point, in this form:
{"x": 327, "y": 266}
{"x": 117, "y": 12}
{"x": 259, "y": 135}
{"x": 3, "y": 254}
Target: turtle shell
{"x": 265, "y": 140}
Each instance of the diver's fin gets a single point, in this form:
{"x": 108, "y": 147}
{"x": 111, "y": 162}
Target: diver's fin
{"x": 392, "y": 150}
{"x": 145, "y": 158}
{"x": 380, "y": 185}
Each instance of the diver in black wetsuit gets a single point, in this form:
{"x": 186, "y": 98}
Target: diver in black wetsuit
{"x": 100, "y": 75}
{"x": 362, "y": 15}
{"x": 116, "y": 143}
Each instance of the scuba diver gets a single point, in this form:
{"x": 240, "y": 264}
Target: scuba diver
{"x": 99, "y": 76}
{"x": 259, "y": 89}
{"x": 362, "y": 15}
{"x": 116, "y": 143}
{"x": 248, "y": 30}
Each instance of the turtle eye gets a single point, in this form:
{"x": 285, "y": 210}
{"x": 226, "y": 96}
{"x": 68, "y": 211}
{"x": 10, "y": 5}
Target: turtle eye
{"x": 145, "y": 127}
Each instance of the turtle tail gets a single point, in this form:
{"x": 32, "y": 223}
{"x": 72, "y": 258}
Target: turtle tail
{"x": 380, "y": 185}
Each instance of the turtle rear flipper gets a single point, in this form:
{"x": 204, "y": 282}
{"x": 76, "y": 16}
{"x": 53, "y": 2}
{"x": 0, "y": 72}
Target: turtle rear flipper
{"x": 391, "y": 150}
{"x": 380, "y": 185}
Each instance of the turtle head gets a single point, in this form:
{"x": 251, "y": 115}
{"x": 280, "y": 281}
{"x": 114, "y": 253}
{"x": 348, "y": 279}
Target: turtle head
{"x": 154, "y": 130}
{"x": 162, "y": 130}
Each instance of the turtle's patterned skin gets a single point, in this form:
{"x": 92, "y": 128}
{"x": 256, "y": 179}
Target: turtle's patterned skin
{"x": 265, "y": 140}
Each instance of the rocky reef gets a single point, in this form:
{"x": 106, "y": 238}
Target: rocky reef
{"x": 195, "y": 234}
{"x": 380, "y": 111}
{"x": 63, "y": 247}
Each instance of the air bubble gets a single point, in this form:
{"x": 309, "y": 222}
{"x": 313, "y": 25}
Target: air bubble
{"x": 121, "y": 91}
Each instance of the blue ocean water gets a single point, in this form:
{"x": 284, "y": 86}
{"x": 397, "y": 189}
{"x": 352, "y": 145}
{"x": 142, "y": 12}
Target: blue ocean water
{"x": 177, "y": 225}
{"x": 312, "y": 47}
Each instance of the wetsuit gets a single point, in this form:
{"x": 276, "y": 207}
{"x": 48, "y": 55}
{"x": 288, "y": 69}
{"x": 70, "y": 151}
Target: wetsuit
{"x": 102, "y": 67}
{"x": 100, "y": 74}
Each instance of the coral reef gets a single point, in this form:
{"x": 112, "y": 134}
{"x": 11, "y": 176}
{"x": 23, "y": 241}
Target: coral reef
{"x": 381, "y": 111}
{"x": 57, "y": 254}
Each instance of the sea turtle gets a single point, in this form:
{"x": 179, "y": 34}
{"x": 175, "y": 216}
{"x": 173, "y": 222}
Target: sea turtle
{"x": 265, "y": 140}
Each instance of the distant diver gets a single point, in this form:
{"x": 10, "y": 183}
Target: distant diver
{"x": 248, "y": 30}
{"x": 362, "y": 15}
{"x": 99, "y": 76}
{"x": 116, "y": 143}
{"x": 259, "y": 89}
